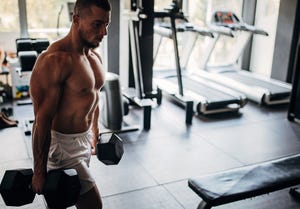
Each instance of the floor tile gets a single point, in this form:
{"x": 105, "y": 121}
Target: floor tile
{"x": 127, "y": 176}
{"x": 149, "y": 198}
{"x": 254, "y": 142}
{"x": 175, "y": 159}
{"x": 183, "y": 194}
{"x": 12, "y": 145}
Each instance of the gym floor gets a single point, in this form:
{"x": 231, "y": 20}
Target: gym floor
{"x": 156, "y": 165}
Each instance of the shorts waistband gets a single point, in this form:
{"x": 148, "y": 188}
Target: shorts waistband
{"x": 57, "y": 134}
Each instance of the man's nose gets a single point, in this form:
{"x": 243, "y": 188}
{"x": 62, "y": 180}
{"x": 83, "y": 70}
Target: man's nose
{"x": 103, "y": 31}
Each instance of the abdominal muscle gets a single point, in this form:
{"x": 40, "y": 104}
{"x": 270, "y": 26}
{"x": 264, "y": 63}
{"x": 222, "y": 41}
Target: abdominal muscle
{"x": 75, "y": 112}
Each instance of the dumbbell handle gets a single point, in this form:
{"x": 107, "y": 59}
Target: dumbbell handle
{"x": 30, "y": 187}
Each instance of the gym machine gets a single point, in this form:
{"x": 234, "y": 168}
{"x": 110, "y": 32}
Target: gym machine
{"x": 140, "y": 91}
{"x": 32, "y": 44}
{"x": 180, "y": 98}
{"x": 257, "y": 88}
{"x": 205, "y": 97}
{"x": 28, "y": 49}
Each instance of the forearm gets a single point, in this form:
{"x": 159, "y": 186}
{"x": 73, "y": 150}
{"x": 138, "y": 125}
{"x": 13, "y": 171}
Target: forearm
{"x": 41, "y": 139}
{"x": 95, "y": 127}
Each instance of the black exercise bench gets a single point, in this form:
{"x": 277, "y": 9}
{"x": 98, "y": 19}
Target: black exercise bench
{"x": 246, "y": 182}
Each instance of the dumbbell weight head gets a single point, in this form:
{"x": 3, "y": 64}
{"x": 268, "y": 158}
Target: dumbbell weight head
{"x": 110, "y": 149}
{"x": 15, "y": 187}
{"x": 62, "y": 188}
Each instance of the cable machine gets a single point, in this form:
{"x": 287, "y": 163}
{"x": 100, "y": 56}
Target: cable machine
{"x": 140, "y": 91}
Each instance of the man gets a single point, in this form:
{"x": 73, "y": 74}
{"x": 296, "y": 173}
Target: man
{"x": 64, "y": 88}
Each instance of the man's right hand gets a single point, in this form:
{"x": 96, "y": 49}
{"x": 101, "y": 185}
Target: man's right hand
{"x": 38, "y": 181}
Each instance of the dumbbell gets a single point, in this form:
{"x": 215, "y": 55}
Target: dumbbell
{"x": 109, "y": 148}
{"x": 61, "y": 189}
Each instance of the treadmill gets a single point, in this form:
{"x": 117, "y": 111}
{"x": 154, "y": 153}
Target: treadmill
{"x": 262, "y": 90}
{"x": 207, "y": 96}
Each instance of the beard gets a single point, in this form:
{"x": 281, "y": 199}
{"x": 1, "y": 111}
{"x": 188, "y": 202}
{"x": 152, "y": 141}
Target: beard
{"x": 86, "y": 43}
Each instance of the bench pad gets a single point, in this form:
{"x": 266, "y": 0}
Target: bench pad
{"x": 249, "y": 181}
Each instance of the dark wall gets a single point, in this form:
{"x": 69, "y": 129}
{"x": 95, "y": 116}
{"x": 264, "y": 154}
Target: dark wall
{"x": 283, "y": 40}
{"x": 294, "y": 69}
{"x": 113, "y": 39}
{"x": 249, "y": 8}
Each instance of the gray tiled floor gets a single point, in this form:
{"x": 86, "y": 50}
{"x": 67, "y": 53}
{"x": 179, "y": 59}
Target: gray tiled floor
{"x": 157, "y": 163}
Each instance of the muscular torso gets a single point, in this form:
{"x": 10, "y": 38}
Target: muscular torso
{"x": 79, "y": 96}
{"x": 79, "y": 78}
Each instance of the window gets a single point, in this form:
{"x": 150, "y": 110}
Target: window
{"x": 266, "y": 18}
{"x": 9, "y": 19}
{"x": 48, "y": 18}
{"x": 9, "y": 24}
{"x": 198, "y": 13}
{"x": 201, "y": 13}
{"x": 160, "y": 4}
{"x": 163, "y": 47}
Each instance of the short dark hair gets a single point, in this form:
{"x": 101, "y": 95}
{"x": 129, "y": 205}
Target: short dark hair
{"x": 82, "y": 4}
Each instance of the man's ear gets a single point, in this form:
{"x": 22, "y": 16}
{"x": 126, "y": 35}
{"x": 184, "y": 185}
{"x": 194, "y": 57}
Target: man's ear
{"x": 75, "y": 19}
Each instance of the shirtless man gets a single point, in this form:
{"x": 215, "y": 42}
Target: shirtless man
{"x": 64, "y": 88}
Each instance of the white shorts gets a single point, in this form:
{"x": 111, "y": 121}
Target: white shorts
{"x": 72, "y": 151}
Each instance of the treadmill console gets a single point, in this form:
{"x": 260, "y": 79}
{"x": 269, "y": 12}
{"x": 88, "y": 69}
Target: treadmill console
{"x": 225, "y": 18}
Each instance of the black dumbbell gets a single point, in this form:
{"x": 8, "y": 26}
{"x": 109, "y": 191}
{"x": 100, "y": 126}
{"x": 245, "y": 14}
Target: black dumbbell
{"x": 109, "y": 148}
{"x": 61, "y": 189}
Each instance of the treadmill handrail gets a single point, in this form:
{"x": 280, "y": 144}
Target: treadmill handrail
{"x": 184, "y": 27}
{"x": 222, "y": 30}
{"x": 165, "y": 32}
{"x": 203, "y": 31}
{"x": 255, "y": 30}
{"x": 234, "y": 24}
{"x": 245, "y": 27}
{"x": 163, "y": 14}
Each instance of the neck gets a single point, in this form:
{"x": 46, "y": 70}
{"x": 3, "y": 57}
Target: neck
{"x": 76, "y": 44}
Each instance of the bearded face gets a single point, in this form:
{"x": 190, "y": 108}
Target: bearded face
{"x": 89, "y": 41}
{"x": 92, "y": 26}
